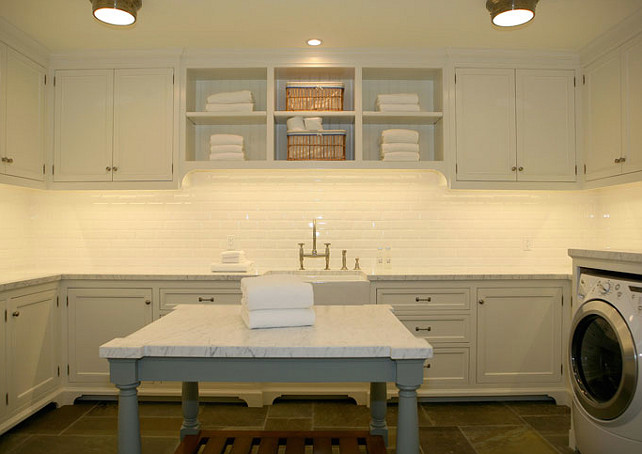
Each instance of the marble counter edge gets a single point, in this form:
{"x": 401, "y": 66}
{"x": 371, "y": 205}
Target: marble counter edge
{"x": 467, "y": 277}
{"x": 612, "y": 255}
{"x": 18, "y": 283}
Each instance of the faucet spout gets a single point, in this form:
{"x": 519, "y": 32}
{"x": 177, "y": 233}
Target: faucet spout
{"x": 314, "y": 237}
{"x": 314, "y": 253}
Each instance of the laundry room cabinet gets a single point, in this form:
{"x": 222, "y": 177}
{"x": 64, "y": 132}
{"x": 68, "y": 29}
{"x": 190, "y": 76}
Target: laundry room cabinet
{"x": 113, "y": 125}
{"x": 515, "y": 125}
{"x": 22, "y": 116}
{"x": 4, "y": 392}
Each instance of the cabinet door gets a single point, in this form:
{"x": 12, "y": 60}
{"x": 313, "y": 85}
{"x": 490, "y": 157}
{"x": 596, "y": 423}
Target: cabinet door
{"x": 143, "y": 125}
{"x": 83, "y": 125}
{"x": 603, "y": 123}
{"x": 25, "y": 110}
{"x": 485, "y": 123}
{"x": 3, "y": 361}
{"x": 3, "y": 105}
{"x": 519, "y": 335}
{"x": 96, "y": 316}
{"x": 545, "y": 125}
{"x": 632, "y": 96}
{"x": 32, "y": 348}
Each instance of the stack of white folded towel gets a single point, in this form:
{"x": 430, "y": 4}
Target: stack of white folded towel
{"x": 398, "y": 102}
{"x": 400, "y": 145}
{"x": 226, "y": 147}
{"x": 233, "y": 262}
{"x": 230, "y": 101}
{"x": 276, "y": 300}
{"x": 299, "y": 124}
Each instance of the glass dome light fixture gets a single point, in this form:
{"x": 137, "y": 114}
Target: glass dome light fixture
{"x": 314, "y": 42}
{"x": 116, "y": 12}
{"x": 511, "y": 13}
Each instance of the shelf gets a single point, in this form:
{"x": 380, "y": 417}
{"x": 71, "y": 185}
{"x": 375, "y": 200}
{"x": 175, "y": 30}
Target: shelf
{"x": 336, "y": 116}
{"x": 227, "y": 118}
{"x": 189, "y": 166}
{"x": 405, "y": 118}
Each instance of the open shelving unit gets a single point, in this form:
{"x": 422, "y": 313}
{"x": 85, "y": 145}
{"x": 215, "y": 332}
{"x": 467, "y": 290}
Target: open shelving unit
{"x": 265, "y": 129}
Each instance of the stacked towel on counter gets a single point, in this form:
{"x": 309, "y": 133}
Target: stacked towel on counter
{"x": 230, "y": 101}
{"x": 398, "y": 102}
{"x": 276, "y": 300}
{"x": 399, "y": 145}
{"x": 226, "y": 147}
{"x": 233, "y": 262}
{"x": 300, "y": 124}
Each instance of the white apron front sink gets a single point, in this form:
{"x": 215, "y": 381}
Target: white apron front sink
{"x": 335, "y": 287}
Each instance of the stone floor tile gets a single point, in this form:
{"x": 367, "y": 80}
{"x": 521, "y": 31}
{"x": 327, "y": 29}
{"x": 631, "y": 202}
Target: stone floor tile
{"x": 160, "y": 427}
{"x": 506, "y": 440}
{"x": 538, "y": 408}
{"x": 64, "y": 444}
{"x": 11, "y": 440}
{"x": 444, "y": 440}
{"x": 470, "y": 414}
{"x": 219, "y": 416}
{"x": 93, "y": 426}
{"x": 51, "y": 420}
{"x": 288, "y": 424}
{"x": 554, "y": 424}
{"x": 160, "y": 445}
{"x": 340, "y": 414}
{"x": 290, "y": 409}
{"x": 559, "y": 442}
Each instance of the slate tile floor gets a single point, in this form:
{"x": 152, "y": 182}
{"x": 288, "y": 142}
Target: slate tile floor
{"x": 445, "y": 428}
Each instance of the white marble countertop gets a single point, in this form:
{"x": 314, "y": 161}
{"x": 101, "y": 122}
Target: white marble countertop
{"x": 607, "y": 254}
{"x": 217, "y": 331}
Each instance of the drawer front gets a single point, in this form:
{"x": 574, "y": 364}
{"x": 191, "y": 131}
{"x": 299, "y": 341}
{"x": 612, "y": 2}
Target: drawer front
{"x": 407, "y": 300}
{"x": 439, "y": 328}
{"x": 448, "y": 367}
{"x": 169, "y": 298}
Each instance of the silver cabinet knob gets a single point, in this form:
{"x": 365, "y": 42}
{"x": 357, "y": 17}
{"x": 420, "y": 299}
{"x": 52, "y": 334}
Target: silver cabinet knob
{"x": 16, "y": 314}
{"x": 514, "y": 168}
{"x": 481, "y": 301}
{"x": 148, "y": 302}
{"x": 621, "y": 159}
{"x": 4, "y": 159}
{"x": 617, "y": 160}
{"x": 115, "y": 169}
{"x": 108, "y": 169}
{"x": 521, "y": 169}
{"x": 8, "y": 160}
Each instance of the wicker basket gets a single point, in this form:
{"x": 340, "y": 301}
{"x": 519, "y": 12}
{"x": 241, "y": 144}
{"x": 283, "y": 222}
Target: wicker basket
{"x": 329, "y": 145}
{"x": 314, "y": 96}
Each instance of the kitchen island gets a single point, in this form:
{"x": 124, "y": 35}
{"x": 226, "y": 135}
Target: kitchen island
{"x": 210, "y": 343}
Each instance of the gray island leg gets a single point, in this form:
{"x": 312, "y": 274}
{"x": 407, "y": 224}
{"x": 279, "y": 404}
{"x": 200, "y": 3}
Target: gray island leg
{"x": 128, "y": 422}
{"x": 409, "y": 378}
{"x": 378, "y": 408}
{"x": 191, "y": 425}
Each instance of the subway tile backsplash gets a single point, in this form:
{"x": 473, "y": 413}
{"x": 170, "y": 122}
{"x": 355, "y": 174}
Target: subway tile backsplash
{"x": 426, "y": 224}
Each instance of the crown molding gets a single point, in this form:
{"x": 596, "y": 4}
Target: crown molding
{"x": 613, "y": 38}
{"x": 23, "y": 43}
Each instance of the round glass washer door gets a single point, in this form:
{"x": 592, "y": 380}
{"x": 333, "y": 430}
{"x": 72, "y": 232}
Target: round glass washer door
{"x": 603, "y": 360}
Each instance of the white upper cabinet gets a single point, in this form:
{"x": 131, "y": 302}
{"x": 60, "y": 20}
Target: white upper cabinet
{"x": 114, "y": 125}
{"x": 515, "y": 125}
{"x": 632, "y": 81}
{"x": 23, "y": 116}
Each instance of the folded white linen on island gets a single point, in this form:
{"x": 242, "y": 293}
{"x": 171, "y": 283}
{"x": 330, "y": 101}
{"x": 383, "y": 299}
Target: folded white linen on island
{"x": 233, "y": 256}
{"x": 397, "y": 147}
{"x": 243, "y": 267}
{"x": 229, "y": 97}
{"x": 401, "y": 156}
{"x": 231, "y": 107}
{"x": 226, "y": 148}
{"x": 398, "y": 107}
{"x": 398, "y": 98}
{"x": 276, "y": 291}
{"x": 227, "y": 156}
{"x": 399, "y": 136}
{"x": 277, "y": 318}
{"x": 226, "y": 139}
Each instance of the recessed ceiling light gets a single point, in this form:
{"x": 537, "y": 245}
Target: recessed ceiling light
{"x": 314, "y": 42}
{"x": 510, "y": 13}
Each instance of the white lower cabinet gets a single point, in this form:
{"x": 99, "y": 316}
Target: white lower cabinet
{"x": 4, "y": 393}
{"x": 96, "y": 316}
{"x": 171, "y": 297}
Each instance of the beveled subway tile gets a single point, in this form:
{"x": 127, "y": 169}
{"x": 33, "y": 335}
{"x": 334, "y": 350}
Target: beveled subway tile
{"x": 469, "y": 414}
{"x": 506, "y": 440}
{"x": 444, "y": 440}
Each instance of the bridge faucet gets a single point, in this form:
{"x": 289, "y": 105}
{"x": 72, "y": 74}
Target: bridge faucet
{"x": 314, "y": 253}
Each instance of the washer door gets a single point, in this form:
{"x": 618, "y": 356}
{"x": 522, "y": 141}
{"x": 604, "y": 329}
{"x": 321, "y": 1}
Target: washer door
{"x": 603, "y": 360}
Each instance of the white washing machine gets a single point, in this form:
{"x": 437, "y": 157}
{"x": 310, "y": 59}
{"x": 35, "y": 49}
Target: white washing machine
{"x": 605, "y": 353}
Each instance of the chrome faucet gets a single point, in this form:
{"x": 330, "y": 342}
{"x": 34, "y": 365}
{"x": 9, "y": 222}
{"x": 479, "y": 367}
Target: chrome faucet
{"x": 314, "y": 253}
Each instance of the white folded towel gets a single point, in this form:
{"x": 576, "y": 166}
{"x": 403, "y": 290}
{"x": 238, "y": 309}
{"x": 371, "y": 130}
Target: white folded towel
{"x": 226, "y": 148}
{"x": 278, "y": 318}
{"x": 398, "y": 107}
{"x": 243, "y": 267}
{"x": 401, "y": 156}
{"x": 229, "y": 97}
{"x": 398, "y": 98}
{"x": 399, "y": 136}
{"x": 295, "y": 124}
{"x": 313, "y": 123}
{"x": 394, "y": 147}
{"x": 227, "y": 157}
{"x": 276, "y": 291}
{"x": 232, "y": 107}
{"x": 233, "y": 256}
{"x": 226, "y": 139}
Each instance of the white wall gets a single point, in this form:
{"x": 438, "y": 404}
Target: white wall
{"x": 426, "y": 224}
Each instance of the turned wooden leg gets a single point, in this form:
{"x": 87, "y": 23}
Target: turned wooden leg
{"x": 378, "y": 408}
{"x": 191, "y": 425}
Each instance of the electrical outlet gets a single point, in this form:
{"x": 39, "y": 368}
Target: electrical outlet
{"x": 527, "y": 244}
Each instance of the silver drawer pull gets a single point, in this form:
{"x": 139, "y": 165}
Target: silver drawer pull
{"x": 423, "y": 329}
{"x": 423, "y": 300}
{"x": 202, "y": 299}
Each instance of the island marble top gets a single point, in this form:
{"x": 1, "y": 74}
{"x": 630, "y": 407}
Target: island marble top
{"x": 217, "y": 331}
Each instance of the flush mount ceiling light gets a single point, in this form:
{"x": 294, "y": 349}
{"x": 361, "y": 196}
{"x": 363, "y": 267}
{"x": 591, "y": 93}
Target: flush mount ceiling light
{"x": 116, "y": 12}
{"x": 314, "y": 42}
{"x": 510, "y": 13}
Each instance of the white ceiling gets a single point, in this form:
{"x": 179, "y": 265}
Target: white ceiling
{"x": 66, "y": 25}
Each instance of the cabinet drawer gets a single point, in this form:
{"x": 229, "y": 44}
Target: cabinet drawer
{"x": 406, "y": 300}
{"x": 448, "y": 366}
{"x": 172, "y": 297}
{"x": 439, "y": 328}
